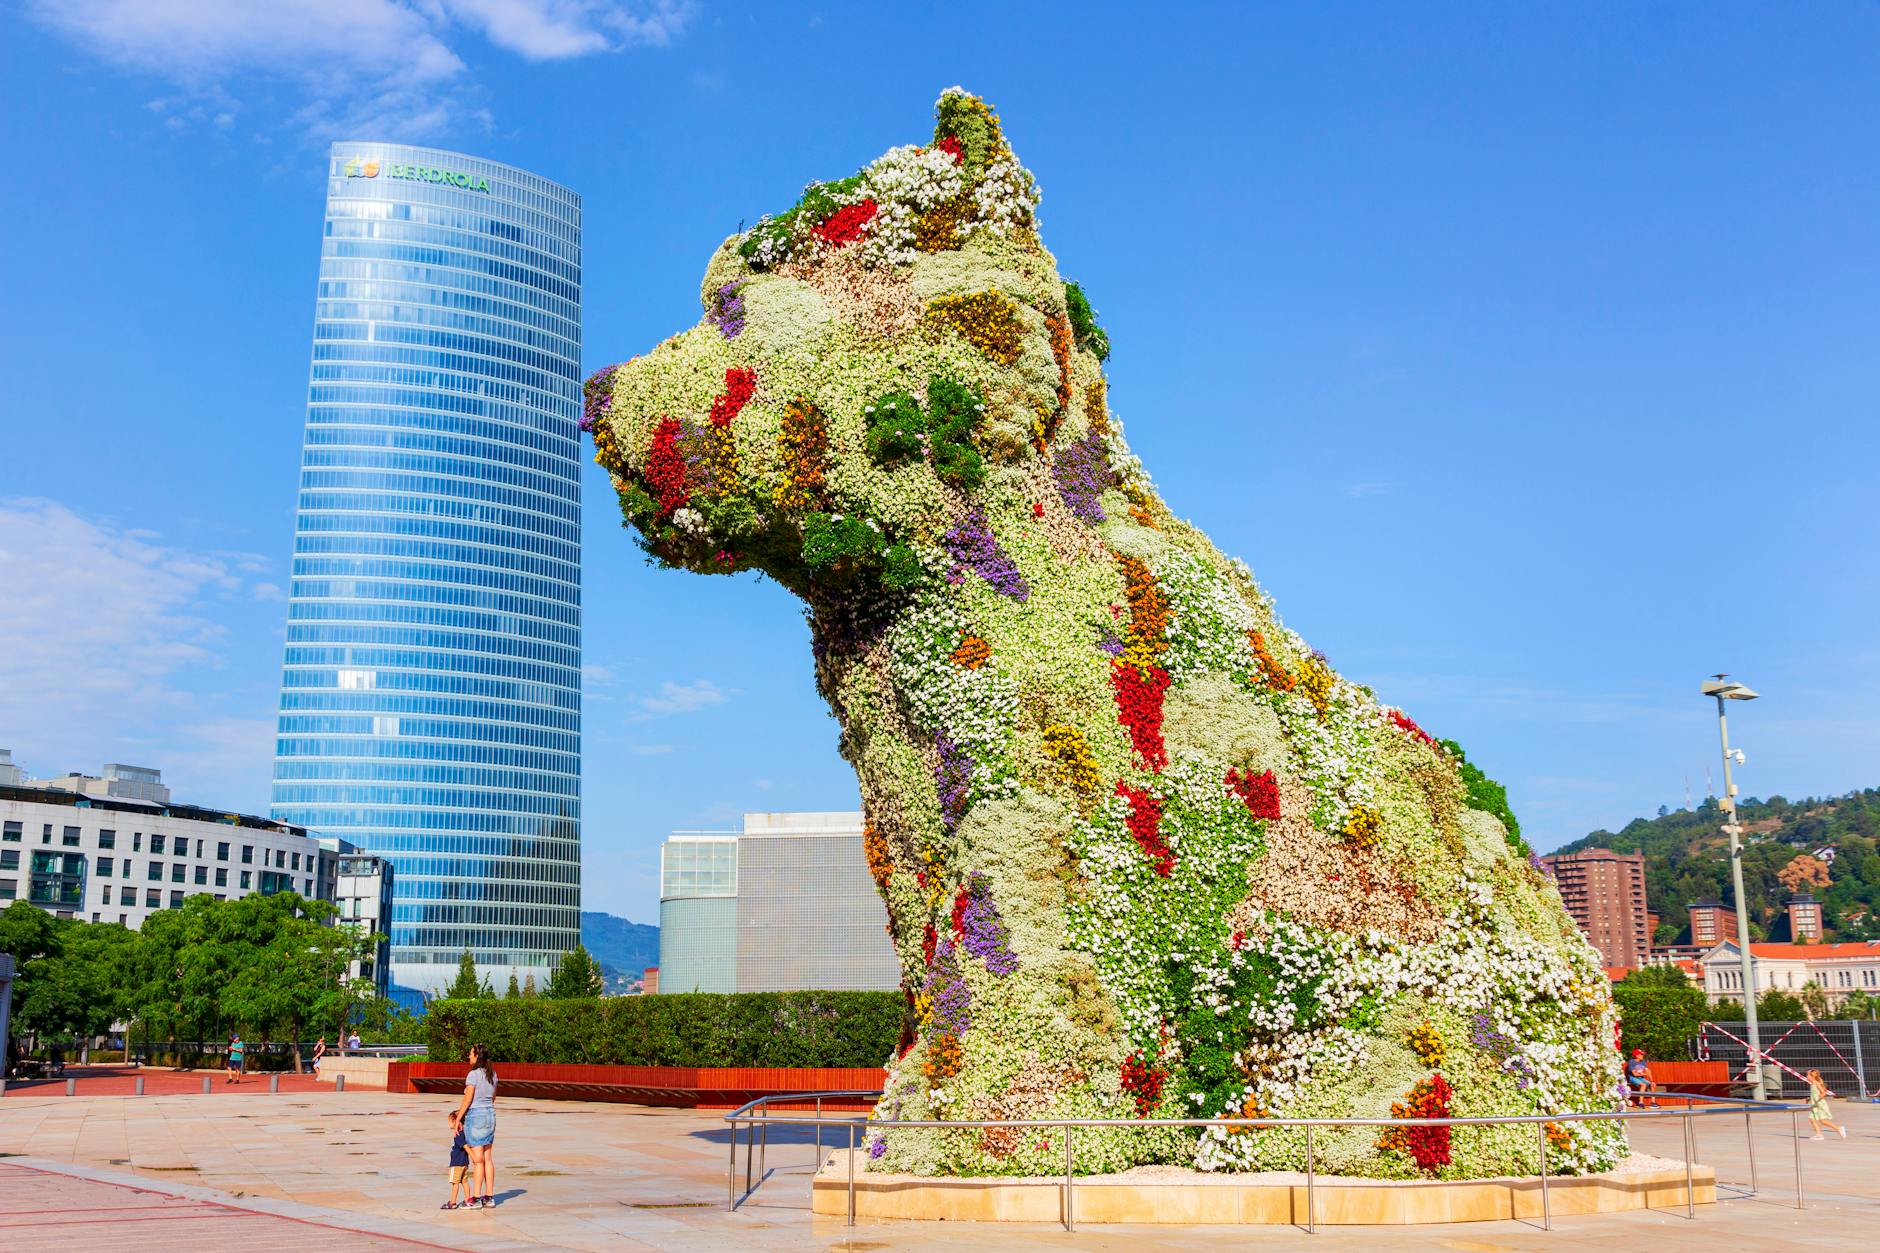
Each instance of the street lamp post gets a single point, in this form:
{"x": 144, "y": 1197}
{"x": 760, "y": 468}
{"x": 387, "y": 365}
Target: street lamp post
{"x": 1720, "y": 687}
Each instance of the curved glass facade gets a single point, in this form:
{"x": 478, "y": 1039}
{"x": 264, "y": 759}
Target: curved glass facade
{"x": 431, "y": 696}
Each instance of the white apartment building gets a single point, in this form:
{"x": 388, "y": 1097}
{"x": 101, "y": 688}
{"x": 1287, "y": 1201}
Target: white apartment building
{"x": 1838, "y": 968}
{"x": 84, "y": 850}
{"x": 362, "y": 892}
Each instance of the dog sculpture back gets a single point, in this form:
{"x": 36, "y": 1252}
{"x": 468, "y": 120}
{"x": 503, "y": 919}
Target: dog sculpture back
{"x": 1144, "y": 853}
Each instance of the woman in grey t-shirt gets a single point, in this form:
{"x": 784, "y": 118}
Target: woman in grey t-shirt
{"x": 476, "y": 1116}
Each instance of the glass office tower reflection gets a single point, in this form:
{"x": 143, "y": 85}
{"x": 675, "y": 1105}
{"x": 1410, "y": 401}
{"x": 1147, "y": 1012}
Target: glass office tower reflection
{"x": 431, "y": 698}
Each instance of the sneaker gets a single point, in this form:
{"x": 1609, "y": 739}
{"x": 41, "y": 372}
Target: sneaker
{"x": 1843, "y": 1131}
{"x": 1816, "y": 1136}
{"x": 448, "y": 1205}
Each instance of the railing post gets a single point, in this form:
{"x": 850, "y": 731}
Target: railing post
{"x": 750, "y": 1150}
{"x": 1749, "y": 1138}
{"x": 1070, "y": 1220}
{"x": 1311, "y": 1209}
{"x": 763, "y": 1148}
{"x": 1547, "y": 1205}
{"x": 1690, "y": 1165}
{"x": 851, "y": 1174}
{"x": 731, "y": 1171}
{"x": 1860, "y": 1063}
{"x": 819, "y": 1133}
{"x": 1795, "y": 1134}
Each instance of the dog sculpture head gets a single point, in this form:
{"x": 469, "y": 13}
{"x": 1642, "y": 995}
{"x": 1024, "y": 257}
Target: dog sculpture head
{"x": 891, "y": 353}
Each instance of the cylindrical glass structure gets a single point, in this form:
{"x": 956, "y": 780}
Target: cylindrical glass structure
{"x": 431, "y": 695}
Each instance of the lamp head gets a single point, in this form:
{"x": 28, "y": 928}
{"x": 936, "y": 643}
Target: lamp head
{"x": 1723, "y": 686}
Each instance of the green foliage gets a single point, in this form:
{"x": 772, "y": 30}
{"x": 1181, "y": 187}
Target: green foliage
{"x": 1775, "y": 1005}
{"x": 578, "y": 975}
{"x": 897, "y": 424}
{"x": 1686, "y": 859}
{"x": 1084, "y": 326}
{"x": 683, "y": 1029}
{"x": 966, "y": 120}
{"x": 465, "y": 985}
{"x": 1657, "y": 977}
{"x": 1483, "y": 793}
{"x": 1658, "y": 1017}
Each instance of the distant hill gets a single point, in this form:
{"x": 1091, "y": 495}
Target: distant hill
{"x": 624, "y": 949}
{"x": 1686, "y": 859}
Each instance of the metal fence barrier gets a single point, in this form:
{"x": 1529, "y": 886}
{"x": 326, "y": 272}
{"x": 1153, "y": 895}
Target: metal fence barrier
{"x": 757, "y": 1118}
{"x": 1846, "y": 1052}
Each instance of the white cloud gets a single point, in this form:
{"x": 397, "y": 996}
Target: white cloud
{"x": 650, "y": 750}
{"x": 98, "y": 622}
{"x": 683, "y": 698}
{"x": 269, "y": 592}
{"x": 391, "y": 67}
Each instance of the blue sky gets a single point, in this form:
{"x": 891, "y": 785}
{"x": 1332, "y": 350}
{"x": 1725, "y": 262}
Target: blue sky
{"x": 1527, "y": 355}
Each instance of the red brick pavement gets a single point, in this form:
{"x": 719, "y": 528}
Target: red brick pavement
{"x": 122, "y": 1081}
{"x": 43, "y": 1212}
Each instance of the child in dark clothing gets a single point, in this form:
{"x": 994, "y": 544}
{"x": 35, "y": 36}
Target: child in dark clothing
{"x": 459, "y": 1172}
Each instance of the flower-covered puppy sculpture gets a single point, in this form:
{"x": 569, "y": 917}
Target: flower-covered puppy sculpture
{"x": 1144, "y": 853}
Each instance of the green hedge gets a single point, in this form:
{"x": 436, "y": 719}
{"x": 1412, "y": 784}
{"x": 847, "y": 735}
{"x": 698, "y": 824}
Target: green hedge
{"x": 681, "y": 1029}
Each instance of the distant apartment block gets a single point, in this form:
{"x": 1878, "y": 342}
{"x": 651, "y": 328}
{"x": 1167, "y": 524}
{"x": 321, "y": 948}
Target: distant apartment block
{"x": 786, "y": 904}
{"x": 1711, "y": 923}
{"x": 362, "y": 893}
{"x": 1604, "y": 892}
{"x": 92, "y": 848}
{"x": 1805, "y": 918}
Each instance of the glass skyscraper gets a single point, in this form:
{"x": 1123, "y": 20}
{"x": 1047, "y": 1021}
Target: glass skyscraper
{"x": 431, "y": 695}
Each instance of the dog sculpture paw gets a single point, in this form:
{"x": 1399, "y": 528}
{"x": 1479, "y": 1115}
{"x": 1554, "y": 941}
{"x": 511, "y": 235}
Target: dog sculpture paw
{"x": 1144, "y": 853}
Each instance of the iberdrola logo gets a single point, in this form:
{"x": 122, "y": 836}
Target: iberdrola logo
{"x": 359, "y": 167}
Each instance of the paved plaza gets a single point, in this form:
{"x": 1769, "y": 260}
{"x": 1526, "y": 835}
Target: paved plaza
{"x": 366, "y": 1170}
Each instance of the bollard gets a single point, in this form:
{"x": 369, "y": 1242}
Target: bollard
{"x": 140, "y": 1085}
{"x": 274, "y": 1083}
{"x": 205, "y": 1085}
{"x": 71, "y": 1087}
{"x": 339, "y": 1083}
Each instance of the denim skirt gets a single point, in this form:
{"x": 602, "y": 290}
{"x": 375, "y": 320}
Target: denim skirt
{"x": 479, "y": 1125}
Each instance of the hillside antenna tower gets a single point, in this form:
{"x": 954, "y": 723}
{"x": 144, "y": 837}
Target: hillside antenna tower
{"x": 1687, "y": 791}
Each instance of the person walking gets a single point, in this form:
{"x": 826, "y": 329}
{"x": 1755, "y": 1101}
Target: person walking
{"x": 1818, "y": 1095}
{"x": 237, "y": 1053}
{"x": 319, "y": 1051}
{"x": 476, "y": 1117}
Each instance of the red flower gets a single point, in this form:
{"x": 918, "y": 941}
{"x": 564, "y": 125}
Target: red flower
{"x": 1258, "y": 792}
{"x": 1143, "y": 1081}
{"x": 847, "y": 224}
{"x": 1139, "y": 709}
{"x": 928, "y": 943}
{"x": 959, "y": 912}
{"x": 1037, "y": 510}
{"x": 1410, "y": 728}
{"x": 740, "y": 385}
{"x": 1239, "y": 939}
{"x": 1145, "y": 826}
{"x": 665, "y": 468}
{"x": 951, "y": 146}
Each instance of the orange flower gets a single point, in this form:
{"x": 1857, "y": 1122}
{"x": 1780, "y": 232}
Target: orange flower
{"x": 972, "y": 653}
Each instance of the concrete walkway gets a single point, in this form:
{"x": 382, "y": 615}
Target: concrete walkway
{"x": 199, "y": 1173}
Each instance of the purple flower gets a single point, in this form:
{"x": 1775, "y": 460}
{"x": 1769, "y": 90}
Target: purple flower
{"x": 1110, "y": 644}
{"x": 953, "y": 779}
{"x": 727, "y": 311}
{"x": 1082, "y": 471}
{"x": 1483, "y": 1035}
{"x": 952, "y": 1000}
{"x": 595, "y": 393}
{"x": 982, "y": 931}
{"x": 877, "y": 1148}
{"x": 973, "y": 547}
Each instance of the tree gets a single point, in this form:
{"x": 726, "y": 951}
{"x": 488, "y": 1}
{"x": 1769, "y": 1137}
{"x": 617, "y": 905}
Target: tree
{"x": 1658, "y": 1016}
{"x": 1776, "y": 1005}
{"x": 1860, "y": 1004}
{"x": 1814, "y": 999}
{"x": 297, "y": 978}
{"x": 1657, "y": 977}
{"x": 515, "y": 988}
{"x": 465, "y": 985}
{"x": 528, "y": 987}
{"x": 578, "y": 975}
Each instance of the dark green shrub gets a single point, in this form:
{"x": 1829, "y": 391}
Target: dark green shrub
{"x": 895, "y": 425}
{"x": 1657, "y": 1018}
{"x": 1490, "y": 797}
{"x": 685, "y": 1029}
{"x": 1084, "y": 326}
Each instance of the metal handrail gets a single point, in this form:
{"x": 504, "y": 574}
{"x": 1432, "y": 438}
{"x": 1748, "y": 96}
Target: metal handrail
{"x": 758, "y": 1139}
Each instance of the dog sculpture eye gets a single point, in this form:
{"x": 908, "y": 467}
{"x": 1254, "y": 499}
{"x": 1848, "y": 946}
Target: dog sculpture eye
{"x": 1143, "y": 851}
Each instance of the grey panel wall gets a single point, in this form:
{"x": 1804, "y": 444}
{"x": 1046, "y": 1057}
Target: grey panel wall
{"x": 809, "y": 917}
{"x": 698, "y": 944}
